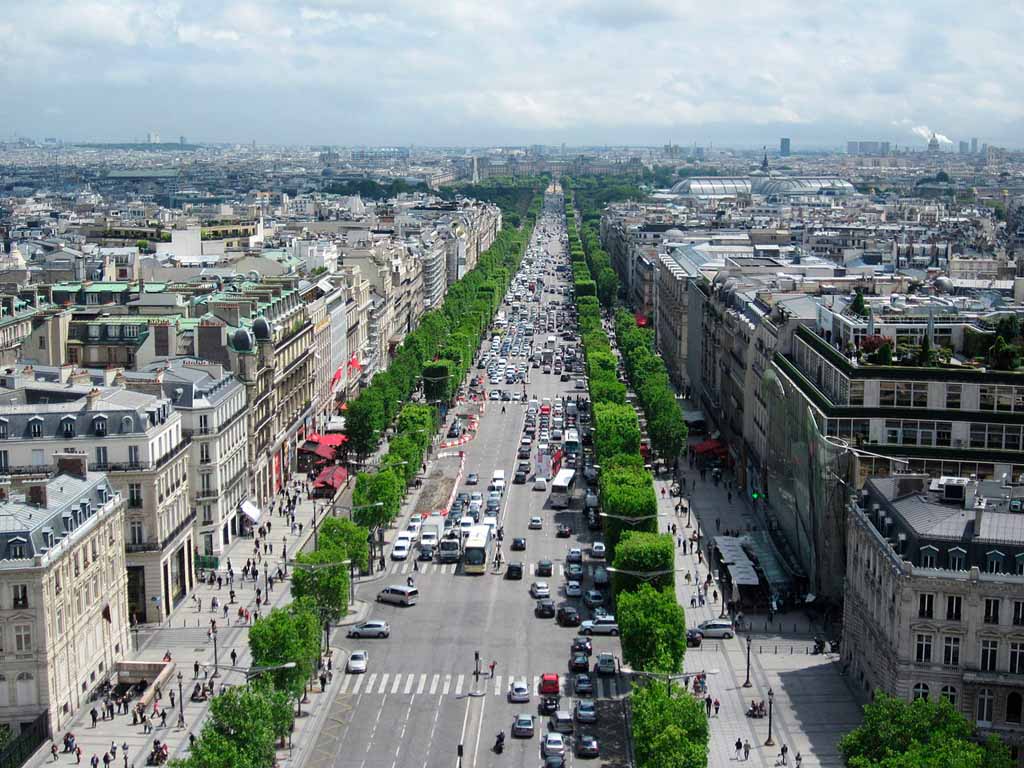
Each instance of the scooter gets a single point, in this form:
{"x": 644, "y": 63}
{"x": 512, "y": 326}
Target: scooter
{"x": 499, "y": 743}
{"x": 819, "y": 646}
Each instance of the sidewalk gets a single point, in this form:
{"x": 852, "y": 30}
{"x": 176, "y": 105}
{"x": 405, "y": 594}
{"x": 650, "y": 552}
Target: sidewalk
{"x": 184, "y": 636}
{"x": 813, "y": 707}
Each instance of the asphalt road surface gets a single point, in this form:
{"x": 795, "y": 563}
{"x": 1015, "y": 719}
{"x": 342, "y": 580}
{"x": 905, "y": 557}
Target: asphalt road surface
{"x": 413, "y": 708}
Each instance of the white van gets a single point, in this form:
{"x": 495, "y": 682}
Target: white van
{"x": 398, "y": 594}
{"x": 498, "y": 481}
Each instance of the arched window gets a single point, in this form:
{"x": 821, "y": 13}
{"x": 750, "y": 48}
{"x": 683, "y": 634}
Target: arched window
{"x": 5, "y": 694}
{"x": 1013, "y": 707}
{"x": 921, "y": 691}
{"x": 949, "y": 694}
{"x": 986, "y": 702}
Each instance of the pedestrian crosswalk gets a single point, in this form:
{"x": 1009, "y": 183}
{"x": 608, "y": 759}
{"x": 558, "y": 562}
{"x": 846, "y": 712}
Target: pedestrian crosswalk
{"x": 529, "y": 568}
{"x": 419, "y": 683}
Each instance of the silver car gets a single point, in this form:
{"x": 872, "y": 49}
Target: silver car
{"x": 540, "y": 589}
{"x": 370, "y": 629}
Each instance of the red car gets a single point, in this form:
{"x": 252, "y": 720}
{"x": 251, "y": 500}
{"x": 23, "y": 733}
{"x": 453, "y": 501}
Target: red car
{"x": 549, "y": 684}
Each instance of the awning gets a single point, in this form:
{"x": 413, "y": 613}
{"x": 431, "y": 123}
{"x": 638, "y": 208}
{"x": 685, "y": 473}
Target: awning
{"x": 640, "y": 319}
{"x": 319, "y": 449}
{"x": 333, "y": 439}
{"x": 334, "y": 477}
{"x": 251, "y": 511}
{"x": 693, "y": 417}
{"x": 707, "y": 446}
{"x": 743, "y": 575}
{"x": 731, "y": 549}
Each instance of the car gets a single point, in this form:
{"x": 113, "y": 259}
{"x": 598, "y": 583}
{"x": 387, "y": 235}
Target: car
{"x": 540, "y": 589}
{"x": 597, "y": 550}
{"x": 548, "y": 704}
{"x": 472, "y": 478}
{"x": 426, "y": 553}
{"x": 568, "y": 616}
{"x": 593, "y": 598}
{"x": 574, "y": 571}
{"x": 573, "y": 589}
{"x": 583, "y": 683}
{"x": 564, "y": 531}
{"x": 605, "y": 664}
{"x": 586, "y": 746}
{"x": 523, "y": 452}
{"x": 553, "y": 744}
{"x": 519, "y": 478}
{"x": 514, "y": 571}
{"x": 550, "y": 684}
{"x": 717, "y": 628}
{"x": 585, "y": 711}
{"x": 601, "y": 625}
{"x": 545, "y": 608}
{"x": 495, "y": 394}
{"x": 505, "y": 394}
{"x": 357, "y": 662}
{"x": 400, "y": 551}
{"x": 518, "y": 544}
{"x": 579, "y": 662}
{"x": 518, "y": 691}
{"x": 536, "y": 523}
{"x": 554, "y": 761}
{"x": 694, "y": 638}
{"x": 601, "y": 578}
{"x": 370, "y": 629}
{"x": 522, "y": 726}
{"x": 581, "y": 644}
{"x": 540, "y": 484}
{"x": 544, "y": 568}
{"x": 574, "y": 555}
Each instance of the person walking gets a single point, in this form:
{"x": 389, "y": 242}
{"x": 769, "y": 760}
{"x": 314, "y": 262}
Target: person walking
{"x": 94, "y": 715}
{"x": 707, "y": 704}
{"x": 739, "y": 748}
{"x": 717, "y": 705}
{"x": 746, "y": 749}
{"x": 234, "y": 658}
{"x": 784, "y": 754}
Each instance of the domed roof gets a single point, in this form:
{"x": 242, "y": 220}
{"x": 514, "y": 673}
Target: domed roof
{"x": 944, "y": 284}
{"x": 261, "y": 329}
{"x": 673, "y": 234}
{"x": 242, "y": 340}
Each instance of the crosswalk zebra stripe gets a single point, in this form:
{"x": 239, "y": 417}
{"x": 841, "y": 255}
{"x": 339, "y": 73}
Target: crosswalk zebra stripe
{"x": 497, "y": 684}
{"x": 433, "y": 684}
{"x": 394, "y": 685}
{"x": 383, "y": 683}
{"x": 345, "y": 683}
{"x": 369, "y": 683}
{"x": 458, "y": 685}
{"x": 409, "y": 684}
{"x": 423, "y": 683}
{"x": 447, "y": 684}
{"x": 358, "y": 685}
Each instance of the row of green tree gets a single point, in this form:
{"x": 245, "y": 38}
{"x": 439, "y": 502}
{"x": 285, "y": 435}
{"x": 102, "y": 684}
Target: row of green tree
{"x": 670, "y": 727}
{"x": 437, "y": 355}
{"x": 647, "y": 371}
{"x": 246, "y": 724}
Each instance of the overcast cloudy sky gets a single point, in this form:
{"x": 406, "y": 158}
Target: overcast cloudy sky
{"x": 530, "y": 71}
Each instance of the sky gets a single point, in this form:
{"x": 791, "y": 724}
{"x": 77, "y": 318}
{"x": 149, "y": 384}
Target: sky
{"x": 475, "y": 73}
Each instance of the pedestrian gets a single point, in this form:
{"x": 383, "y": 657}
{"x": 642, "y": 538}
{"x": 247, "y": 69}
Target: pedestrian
{"x": 746, "y": 749}
{"x": 53, "y": 752}
{"x": 225, "y": 610}
{"x": 415, "y": 565}
{"x": 798, "y": 760}
{"x": 94, "y": 715}
{"x": 784, "y": 753}
{"x": 113, "y": 749}
{"x": 195, "y": 669}
{"x": 679, "y": 542}
{"x": 323, "y": 682}
{"x": 234, "y": 658}
{"x": 717, "y": 705}
{"x": 78, "y": 755}
{"x": 94, "y": 761}
{"x": 707, "y": 704}
{"x": 106, "y": 759}
{"x": 715, "y": 595}
{"x": 172, "y": 703}
{"x": 739, "y": 748}
{"x": 163, "y": 718}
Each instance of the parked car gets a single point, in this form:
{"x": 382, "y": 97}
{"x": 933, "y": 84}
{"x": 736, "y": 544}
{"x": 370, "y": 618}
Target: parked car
{"x": 568, "y": 616}
{"x": 717, "y": 628}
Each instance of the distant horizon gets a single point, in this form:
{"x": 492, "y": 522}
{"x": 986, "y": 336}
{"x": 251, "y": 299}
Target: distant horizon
{"x": 451, "y": 73}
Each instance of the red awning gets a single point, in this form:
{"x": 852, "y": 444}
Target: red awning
{"x": 333, "y": 476}
{"x": 641, "y": 319}
{"x": 319, "y": 449}
{"x": 707, "y": 446}
{"x": 333, "y": 439}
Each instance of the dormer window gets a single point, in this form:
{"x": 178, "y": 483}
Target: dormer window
{"x": 127, "y": 424}
{"x": 35, "y": 426}
{"x": 99, "y": 426}
{"x": 3, "y": 429}
{"x": 67, "y": 426}
{"x": 994, "y": 561}
{"x": 16, "y": 548}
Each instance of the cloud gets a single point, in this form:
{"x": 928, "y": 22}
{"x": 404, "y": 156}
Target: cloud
{"x": 514, "y": 71}
{"x": 926, "y": 133}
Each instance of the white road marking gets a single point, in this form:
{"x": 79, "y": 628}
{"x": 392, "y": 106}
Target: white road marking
{"x": 433, "y": 684}
{"x": 345, "y": 683}
{"x": 458, "y": 685}
{"x": 394, "y": 685}
{"x": 383, "y": 683}
{"x": 358, "y": 685}
{"x": 447, "y": 684}
{"x": 423, "y": 683}
{"x": 369, "y": 683}
{"x": 409, "y": 684}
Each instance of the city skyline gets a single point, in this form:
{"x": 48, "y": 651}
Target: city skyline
{"x": 351, "y": 73}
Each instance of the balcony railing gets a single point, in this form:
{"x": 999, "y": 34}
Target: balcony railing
{"x": 157, "y": 546}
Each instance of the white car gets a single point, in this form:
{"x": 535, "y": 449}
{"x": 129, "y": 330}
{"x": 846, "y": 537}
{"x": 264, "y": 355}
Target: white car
{"x": 573, "y": 589}
{"x": 400, "y": 551}
{"x": 536, "y": 523}
{"x": 553, "y": 744}
{"x": 357, "y": 662}
{"x": 518, "y": 692}
{"x": 597, "y": 550}
{"x": 540, "y": 589}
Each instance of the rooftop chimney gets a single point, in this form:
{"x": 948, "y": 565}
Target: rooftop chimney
{"x": 92, "y": 398}
{"x": 37, "y": 494}
{"x": 74, "y": 464}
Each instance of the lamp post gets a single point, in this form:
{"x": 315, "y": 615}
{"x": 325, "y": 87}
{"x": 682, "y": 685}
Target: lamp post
{"x": 350, "y": 510}
{"x": 630, "y": 520}
{"x": 252, "y": 672}
{"x": 216, "y": 656}
{"x": 771, "y": 700}
{"x": 645, "y": 575}
{"x": 747, "y": 683}
{"x": 181, "y": 704}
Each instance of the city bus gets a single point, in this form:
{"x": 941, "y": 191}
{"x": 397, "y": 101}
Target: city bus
{"x": 476, "y": 553}
{"x": 562, "y": 488}
{"x": 571, "y": 442}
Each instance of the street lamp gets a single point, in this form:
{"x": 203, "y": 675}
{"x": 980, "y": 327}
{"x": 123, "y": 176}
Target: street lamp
{"x": 350, "y": 510}
{"x": 747, "y": 683}
{"x": 771, "y": 699}
{"x": 216, "y": 656}
{"x": 181, "y": 704}
{"x": 645, "y": 575}
{"x": 630, "y": 520}
{"x": 252, "y": 672}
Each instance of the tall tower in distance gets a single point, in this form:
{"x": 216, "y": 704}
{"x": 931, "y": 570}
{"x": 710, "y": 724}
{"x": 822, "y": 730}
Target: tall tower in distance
{"x": 974, "y": 146}
{"x": 784, "y": 147}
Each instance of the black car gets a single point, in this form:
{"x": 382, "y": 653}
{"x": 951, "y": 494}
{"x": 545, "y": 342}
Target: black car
{"x": 514, "y": 571}
{"x": 582, "y": 644}
{"x": 523, "y": 452}
{"x": 518, "y": 544}
{"x": 568, "y": 616}
{"x": 545, "y": 608}
{"x": 694, "y": 638}
{"x": 554, "y": 761}
{"x": 519, "y": 478}
{"x": 426, "y": 553}
{"x": 549, "y": 704}
{"x": 505, "y": 394}
{"x": 579, "y": 662}
{"x": 544, "y": 568}
{"x": 593, "y": 521}
{"x": 564, "y": 531}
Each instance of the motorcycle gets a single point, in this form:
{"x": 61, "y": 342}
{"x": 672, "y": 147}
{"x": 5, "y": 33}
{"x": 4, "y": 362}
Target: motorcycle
{"x": 499, "y": 744}
{"x": 833, "y": 646}
{"x": 819, "y": 646}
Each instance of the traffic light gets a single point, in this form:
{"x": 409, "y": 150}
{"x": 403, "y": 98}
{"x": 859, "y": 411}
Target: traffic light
{"x": 755, "y": 495}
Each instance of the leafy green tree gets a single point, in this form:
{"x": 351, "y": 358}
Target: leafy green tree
{"x": 616, "y": 430}
{"x": 1003, "y": 356}
{"x": 364, "y": 423}
{"x": 670, "y": 727}
{"x": 350, "y": 537}
{"x": 326, "y": 585}
{"x": 652, "y": 628}
{"x": 904, "y": 734}
{"x": 289, "y": 634}
{"x": 239, "y": 732}
{"x": 386, "y": 487}
{"x": 644, "y": 552}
